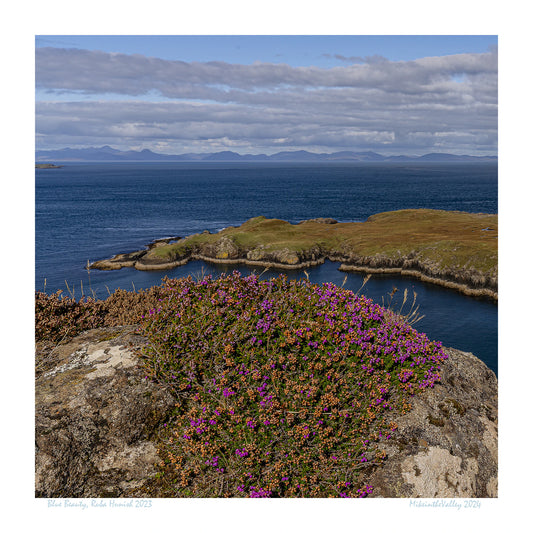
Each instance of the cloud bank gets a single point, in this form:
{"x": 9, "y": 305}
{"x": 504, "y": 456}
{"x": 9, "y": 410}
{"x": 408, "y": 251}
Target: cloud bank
{"x": 90, "y": 98}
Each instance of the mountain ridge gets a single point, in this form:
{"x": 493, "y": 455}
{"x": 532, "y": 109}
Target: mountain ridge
{"x": 107, "y": 153}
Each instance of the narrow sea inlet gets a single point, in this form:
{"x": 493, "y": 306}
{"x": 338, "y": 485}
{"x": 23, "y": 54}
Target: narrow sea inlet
{"x": 88, "y": 212}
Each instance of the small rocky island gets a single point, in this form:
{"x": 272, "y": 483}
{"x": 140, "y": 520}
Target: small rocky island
{"x": 47, "y": 165}
{"x": 455, "y": 249}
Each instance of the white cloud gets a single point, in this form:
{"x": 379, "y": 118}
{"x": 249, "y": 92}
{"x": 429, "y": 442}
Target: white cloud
{"x": 401, "y": 106}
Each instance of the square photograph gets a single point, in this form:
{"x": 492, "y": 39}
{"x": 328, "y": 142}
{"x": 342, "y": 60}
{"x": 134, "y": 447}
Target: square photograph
{"x": 266, "y": 266}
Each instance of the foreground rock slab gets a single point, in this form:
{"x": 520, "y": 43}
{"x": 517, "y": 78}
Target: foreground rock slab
{"x": 95, "y": 419}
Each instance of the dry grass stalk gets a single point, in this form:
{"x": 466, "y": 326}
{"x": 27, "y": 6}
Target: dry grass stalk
{"x": 411, "y": 317}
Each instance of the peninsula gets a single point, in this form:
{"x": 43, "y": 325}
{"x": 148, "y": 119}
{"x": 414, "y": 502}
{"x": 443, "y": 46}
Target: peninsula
{"x": 455, "y": 249}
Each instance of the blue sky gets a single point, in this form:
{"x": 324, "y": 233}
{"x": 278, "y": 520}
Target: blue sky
{"x": 268, "y": 93}
{"x": 296, "y": 50}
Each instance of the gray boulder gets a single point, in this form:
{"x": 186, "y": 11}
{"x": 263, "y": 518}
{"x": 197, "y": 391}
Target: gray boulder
{"x": 446, "y": 446}
{"x": 96, "y": 419}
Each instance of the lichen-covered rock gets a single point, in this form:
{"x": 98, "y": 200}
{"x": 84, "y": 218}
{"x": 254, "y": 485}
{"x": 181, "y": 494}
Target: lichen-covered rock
{"x": 95, "y": 419}
{"x": 259, "y": 253}
{"x": 285, "y": 257}
{"x": 447, "y": 444}
{"x": 224, "y": 248}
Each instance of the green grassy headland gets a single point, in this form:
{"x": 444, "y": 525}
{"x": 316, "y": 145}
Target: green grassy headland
{"x": 441, "y": 246}
{"x": 47, "y": 165}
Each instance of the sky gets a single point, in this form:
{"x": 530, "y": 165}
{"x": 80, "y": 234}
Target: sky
{"x": 404, "y": 94}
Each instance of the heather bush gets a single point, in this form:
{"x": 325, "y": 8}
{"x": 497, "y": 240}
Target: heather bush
{"x": 59, "y": 317}
{"x": 284, "y": 389}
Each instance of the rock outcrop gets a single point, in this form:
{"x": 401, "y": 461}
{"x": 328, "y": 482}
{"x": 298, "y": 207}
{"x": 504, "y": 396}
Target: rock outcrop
{"x": 224, "y": 248}
{"x": 97, "y": 422}
{"x": 320, "y": 220}
{"x": 96, "y": 418}
{"x": 447, "y": 445}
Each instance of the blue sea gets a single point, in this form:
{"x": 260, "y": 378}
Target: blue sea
{"x": 90, "y": 211}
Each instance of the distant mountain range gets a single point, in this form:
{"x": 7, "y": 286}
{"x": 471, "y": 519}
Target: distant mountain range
{"x": 106, "y": 153}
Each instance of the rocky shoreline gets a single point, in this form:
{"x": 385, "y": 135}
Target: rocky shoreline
{"x": 133, "y": 260}
{"x": 443, "y": 279}
{"x": 225, "y": 248}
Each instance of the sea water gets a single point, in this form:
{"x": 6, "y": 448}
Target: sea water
{"x": 90, "y": 211}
